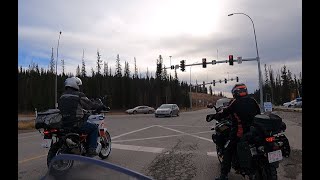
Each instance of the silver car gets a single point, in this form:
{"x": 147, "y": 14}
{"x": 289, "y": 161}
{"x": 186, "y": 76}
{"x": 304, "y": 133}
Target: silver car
{"x": 141, "y": 109}
{"x": 167, "y": 110}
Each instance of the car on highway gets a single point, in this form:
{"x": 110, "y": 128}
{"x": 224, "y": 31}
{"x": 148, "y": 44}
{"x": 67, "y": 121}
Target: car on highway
{"x": 297, "y": 103}
{"x": 141, "y": 110}
{"x": 167, "y": 110}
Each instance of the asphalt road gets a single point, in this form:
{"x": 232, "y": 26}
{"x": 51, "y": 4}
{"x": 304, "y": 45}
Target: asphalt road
{"x": 163, "y": 148}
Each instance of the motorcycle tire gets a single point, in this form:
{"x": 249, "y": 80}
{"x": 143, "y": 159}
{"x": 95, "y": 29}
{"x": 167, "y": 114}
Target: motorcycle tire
{"x": 219, "y": 154}
{"x": 55, "y": 169}
{"x": 106, "y": 146}
{"x": 267, "y": 172}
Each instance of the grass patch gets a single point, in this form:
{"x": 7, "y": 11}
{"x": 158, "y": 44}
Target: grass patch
{"x": 25, "y": 125}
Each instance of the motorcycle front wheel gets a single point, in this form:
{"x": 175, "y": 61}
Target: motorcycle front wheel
{"x": 106, "y": 145}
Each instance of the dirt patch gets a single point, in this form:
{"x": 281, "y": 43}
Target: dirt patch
{"x": 26, "y": 125}
{"x": 174, "y": 164}
{"x": 293, "y": 165}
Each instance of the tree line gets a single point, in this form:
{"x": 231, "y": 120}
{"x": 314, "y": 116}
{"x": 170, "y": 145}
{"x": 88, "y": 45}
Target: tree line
{"x": 124, "y": 89}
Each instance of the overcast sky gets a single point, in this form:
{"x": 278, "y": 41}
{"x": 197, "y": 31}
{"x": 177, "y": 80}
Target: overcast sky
{"x": 184, "y": 29}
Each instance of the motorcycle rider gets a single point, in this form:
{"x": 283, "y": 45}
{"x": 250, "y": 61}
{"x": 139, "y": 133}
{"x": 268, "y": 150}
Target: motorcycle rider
{"x": 71, "y": 105}
{"x": 242, "y": 110}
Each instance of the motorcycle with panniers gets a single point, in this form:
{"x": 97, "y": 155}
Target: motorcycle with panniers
{"x": 260, "y": 150}
{"x": 61, "y": 140}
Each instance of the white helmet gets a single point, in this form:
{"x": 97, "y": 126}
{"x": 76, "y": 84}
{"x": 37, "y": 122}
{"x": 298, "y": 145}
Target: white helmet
{"x": 73, "y": 82}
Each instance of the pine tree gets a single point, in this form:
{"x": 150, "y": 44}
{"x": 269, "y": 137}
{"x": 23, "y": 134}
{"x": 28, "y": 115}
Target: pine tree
{"x": 98, "y": 63}
{"x": 105, "y": 69}
{"x": 135, "y": 68}
{"x": 78, "y": 71}
{"x": 52, "y": 63}
{"x": 118, "y": 67}
{"x": 62, "y": 64}
{"x": 83, "y": 68}
{"x": 126, "y": 69}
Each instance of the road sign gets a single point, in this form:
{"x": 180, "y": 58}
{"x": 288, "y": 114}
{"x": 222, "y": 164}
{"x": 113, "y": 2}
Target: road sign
{"x": 239, "y": 59}
{"x": 267, "y": 106}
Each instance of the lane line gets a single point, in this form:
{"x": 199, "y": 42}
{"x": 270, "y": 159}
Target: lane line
{"x": 210, "y": 140}
{"x": 137, "y": 148}
{"x": 130, "y": 148}
{"x": 159, "y": 137}
{"x": 29, "y": 136}
{"x": 32, "y": 158}
{"x": 115, "y": 137}
{"x": 214, "y": 153}
{"x": 189, "y": 126}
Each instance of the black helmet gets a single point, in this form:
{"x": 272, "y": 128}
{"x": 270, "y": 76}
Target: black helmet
{"x": 239, "y": 90}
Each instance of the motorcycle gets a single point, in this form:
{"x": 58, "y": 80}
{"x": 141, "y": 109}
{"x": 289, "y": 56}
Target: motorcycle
{"x": 67, "y": 141}
{"x": 259, "y": 151}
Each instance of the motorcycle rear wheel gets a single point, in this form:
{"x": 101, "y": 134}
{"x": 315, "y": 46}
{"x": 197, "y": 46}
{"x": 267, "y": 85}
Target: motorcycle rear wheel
{"x": 106, "y": 146}
{"x": 219, "y": 154}
{"x": 266, "y": 172}
{"x": 60, "y": 167}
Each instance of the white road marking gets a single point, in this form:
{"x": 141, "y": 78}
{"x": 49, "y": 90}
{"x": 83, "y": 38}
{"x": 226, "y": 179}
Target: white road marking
{"x": 115, "y": 137}
{"x": 188, "y": 126}
{"x": 30, "y": 136}
{"x": 137, "y": 148}
{"x": 159, "y": 137}
{"x": 212, "y": 154}
{"x": 186, "y": 133}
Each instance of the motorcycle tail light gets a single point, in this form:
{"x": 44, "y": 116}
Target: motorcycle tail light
{"x": 46, "y": 132}
{"x": 270, "y": 139}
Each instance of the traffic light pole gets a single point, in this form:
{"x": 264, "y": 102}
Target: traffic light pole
{"x": 213, "y": 62}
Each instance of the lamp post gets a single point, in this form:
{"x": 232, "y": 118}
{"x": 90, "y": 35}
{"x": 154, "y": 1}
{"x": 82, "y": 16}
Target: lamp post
{"x": 55, "y": 100}
{"x": 258, "y": 59}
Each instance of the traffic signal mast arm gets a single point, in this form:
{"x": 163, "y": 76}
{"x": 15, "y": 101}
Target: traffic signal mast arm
{"x": 212, "y": 62}
{"x": 218, "y": 81}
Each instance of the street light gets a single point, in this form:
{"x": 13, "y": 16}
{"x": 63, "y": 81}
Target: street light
{"x": 55, "y": 100}
{"x": 258, "y": 59}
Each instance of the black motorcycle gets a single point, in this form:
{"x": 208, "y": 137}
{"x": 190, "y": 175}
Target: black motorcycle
{"x": 258, "y": 151}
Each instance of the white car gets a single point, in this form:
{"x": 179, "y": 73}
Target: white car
{"x": 141, "y": 109}
{"x": 167, "y": 110}
{"x": 294, "y": 103}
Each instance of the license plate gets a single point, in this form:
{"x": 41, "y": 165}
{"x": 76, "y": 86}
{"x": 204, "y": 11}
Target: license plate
{"x": 46, "y": 143}
{"x": 274, "y": 156}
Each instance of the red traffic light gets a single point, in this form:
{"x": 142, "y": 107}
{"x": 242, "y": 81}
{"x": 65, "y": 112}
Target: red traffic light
{"x": 231, "y": 60}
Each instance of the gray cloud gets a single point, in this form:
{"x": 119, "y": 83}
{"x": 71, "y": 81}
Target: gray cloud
{"x": 136, "y": 29}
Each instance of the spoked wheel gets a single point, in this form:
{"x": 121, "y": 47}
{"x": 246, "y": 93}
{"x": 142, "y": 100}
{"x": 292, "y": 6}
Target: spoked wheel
{"x": 60, "y": 167}
{"x": 106, "y": 145}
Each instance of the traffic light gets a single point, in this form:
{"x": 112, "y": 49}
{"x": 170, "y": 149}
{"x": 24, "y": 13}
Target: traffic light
{"x": 172, "y": 67}
{"x": 237, "y": 79}
{"x": 225, "y": 80}
{"x": 182, "y": 65}
{"x": 214, "y": 82}
{"x": 231, "y": 60}
{"x": 204, "y": 62}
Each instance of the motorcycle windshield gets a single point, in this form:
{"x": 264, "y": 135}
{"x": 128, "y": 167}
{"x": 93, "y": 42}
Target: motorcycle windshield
{"x": 75, "y": 167}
